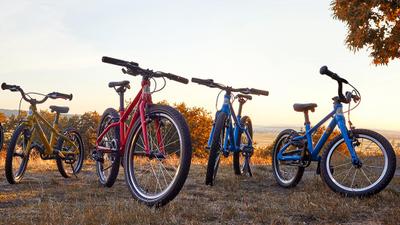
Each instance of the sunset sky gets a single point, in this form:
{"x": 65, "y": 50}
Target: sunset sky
{"x": 274, "y": 45}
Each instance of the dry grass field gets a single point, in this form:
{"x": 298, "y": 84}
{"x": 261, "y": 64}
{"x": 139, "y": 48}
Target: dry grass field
{"x": 44, "y": 197}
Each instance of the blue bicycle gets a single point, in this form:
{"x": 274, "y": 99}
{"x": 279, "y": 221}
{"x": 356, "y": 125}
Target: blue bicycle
{"x": 357, "y": 162}
{"x": 230, "y": 132}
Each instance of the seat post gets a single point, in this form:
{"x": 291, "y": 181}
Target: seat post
{"x": 306, "y": 118}
{"x": 121, "y": 101}
{"x": 56, "y": 118}
{"x": 241, "y": 103}
{"x": 121, "y": 91}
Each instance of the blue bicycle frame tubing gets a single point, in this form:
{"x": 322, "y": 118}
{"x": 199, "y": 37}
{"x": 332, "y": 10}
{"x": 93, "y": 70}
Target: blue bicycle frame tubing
{"x": 232, "y": 131}
{"x": 225, "y": 109}
{"x": 338, "y": 119}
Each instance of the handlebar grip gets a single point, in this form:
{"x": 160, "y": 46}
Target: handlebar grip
{"x": 55, "y": 95}
{"x": 259, "y": 92}
{"x": 202, "y": 81}
{"x": 325, "y": 71}
{"x": 5, "y": 86}
{"x": 177, "y": 78}
{"x": 114, "y": 61}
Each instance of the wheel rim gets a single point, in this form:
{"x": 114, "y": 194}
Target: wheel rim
{"x": 20, "y": 156}
{"x": 109, "y": 140}
{"x": 153, "y": 178}
{"x": 74, "y": 167}
{"x": 346, "y": 176}
{"x": 285, "y": 173}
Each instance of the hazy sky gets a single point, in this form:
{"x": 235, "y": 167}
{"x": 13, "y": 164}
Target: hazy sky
{"x": 274, "y": 45}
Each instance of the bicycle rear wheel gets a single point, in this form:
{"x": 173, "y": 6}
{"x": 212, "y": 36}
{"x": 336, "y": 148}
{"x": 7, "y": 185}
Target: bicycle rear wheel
{"x": 18, "y": 154}
{"x": 72, "y": 163}
{"x": 241, "y": 160}
{"x": 286, "y": 174}
{"x": 373, "y": 174}
{"x": 217, "y": 145}
{"x": 107, "y": 167}
{"x": 156, "y": 178}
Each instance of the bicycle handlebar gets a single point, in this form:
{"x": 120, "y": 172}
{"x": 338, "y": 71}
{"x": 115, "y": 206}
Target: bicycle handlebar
{"x": 13, "y": 88}
{"x": 210, "y": 83}
{"x": 134, "y": 69}
{"x": 325, "y": 71}
{"x": 342, "y": 98}
{"x": 53, "y": 95}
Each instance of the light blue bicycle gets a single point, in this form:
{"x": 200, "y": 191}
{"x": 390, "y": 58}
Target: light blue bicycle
{"x": 357, "y": 162}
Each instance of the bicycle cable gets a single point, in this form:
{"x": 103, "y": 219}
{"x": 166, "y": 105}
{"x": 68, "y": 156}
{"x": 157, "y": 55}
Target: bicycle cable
{"x": 357, "y": 93}
{"x": 27, "y": 94}
{"x": 155, "y": 85}
{"x": 216, "y": 102}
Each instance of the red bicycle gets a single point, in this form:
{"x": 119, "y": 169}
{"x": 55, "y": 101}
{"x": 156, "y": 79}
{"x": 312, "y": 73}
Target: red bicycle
{"x": 153, "y": 139}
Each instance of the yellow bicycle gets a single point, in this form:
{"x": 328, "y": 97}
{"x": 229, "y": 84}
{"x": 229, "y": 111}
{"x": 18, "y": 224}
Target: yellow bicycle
{"x": 66, "y": 147}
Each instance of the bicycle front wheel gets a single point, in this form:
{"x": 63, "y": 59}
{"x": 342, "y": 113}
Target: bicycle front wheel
{"x": 18, "y": 154}
{"x": 156, "y": 177}
{"x": 373, "y": 173}
{"x": 217, "y": 146}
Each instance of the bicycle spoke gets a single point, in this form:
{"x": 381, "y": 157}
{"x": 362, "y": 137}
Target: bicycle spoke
{"x": 365, "y": 175}
{"x": 354, "y": 176}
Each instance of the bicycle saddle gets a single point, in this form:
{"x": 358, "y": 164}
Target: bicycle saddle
{"x": 59, "y": 109}
{"x": 304, "y": 107}
{"x": 123, "y": 83}
{"x": 245, "y": 96}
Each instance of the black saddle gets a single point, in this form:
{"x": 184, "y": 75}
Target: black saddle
{"x": 245, "y": 96}
{"x": 123, "y": 83}
{"x": 59, "y": 109}
{"x": 304, "y": 107}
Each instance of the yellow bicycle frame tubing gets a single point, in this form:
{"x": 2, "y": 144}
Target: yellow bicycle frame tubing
{"x": 33, "y": 119}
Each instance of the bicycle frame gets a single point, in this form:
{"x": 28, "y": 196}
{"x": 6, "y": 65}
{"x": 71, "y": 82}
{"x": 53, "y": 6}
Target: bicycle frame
{"x": 141, "y": 101}
{"x": 339, "y": 120}
{"x": 33, "y": 121}
{"x": 232, "y": 131}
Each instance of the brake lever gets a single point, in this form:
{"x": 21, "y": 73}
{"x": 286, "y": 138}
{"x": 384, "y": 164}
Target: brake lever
{"x": 356, "y": 98}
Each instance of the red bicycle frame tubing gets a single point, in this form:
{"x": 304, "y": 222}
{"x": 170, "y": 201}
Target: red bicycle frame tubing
{"x": 142, "y": 99}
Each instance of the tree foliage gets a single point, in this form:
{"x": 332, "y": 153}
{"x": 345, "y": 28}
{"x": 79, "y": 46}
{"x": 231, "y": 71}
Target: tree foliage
{"x": 198, "y": 119}
{"x": 373, "y": 24}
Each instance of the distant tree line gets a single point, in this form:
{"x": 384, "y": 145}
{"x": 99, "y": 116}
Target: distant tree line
{"x": 198, "y": 119}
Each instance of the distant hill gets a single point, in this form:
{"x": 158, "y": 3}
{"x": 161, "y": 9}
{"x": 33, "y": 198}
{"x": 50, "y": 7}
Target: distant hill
{"x": 9, "y": 112}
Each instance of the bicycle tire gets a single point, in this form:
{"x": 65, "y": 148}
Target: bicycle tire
{"x": 382, "y": 181}
{"x": 14, "y": 178}
{"x": 244, "y": 121}
{"x": 1, "y": 137}
{"x": 109, "y": 116}
{"x": 60, "y": 162}
{"x": 298, "y": 172}
{"x": 215, "y": 149}
{"x": 153, "y": 113}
